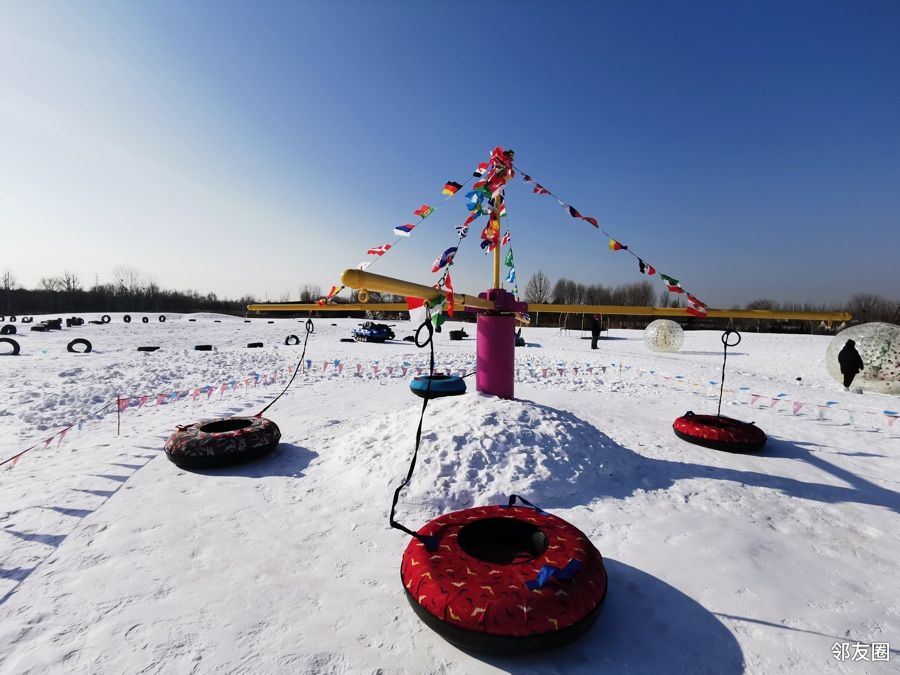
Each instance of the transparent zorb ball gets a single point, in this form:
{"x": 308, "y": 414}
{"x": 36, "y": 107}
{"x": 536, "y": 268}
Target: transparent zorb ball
{"x": 663, "y": 335}
{"x": 879, "y": 346}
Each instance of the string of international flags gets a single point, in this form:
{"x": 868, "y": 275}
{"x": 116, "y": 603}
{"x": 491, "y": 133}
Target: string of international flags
{"x": 696, "y": 307}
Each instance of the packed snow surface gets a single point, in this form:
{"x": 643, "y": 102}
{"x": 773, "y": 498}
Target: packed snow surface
{"x": 114, "y": 560}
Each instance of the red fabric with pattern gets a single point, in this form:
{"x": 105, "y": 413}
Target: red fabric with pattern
{"x": 493, "y": 598}
{"x": 720, "y": 430}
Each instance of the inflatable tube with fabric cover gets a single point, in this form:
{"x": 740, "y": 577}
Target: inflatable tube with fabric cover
{"x": 719, "y": 432}
{"x": 441, "y": 385}
{"x": 223, "y": 441}
{"x": 484, "y": 565}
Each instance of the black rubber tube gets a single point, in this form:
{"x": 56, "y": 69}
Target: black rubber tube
{"x": 147, "y": 349}
{"x": 162, "y": 318}
{"x": 105, "y": 318}
{"x": 8, "y": 330}
{"x": 127, "y": 318}
{"x": 79, "y": 341}
{"x": 15, "y": 346}
{"x": 145, "y": 320}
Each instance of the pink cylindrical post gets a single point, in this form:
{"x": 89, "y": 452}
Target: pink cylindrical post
{"x": 496, "y": 355}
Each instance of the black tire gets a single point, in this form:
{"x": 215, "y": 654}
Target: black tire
{"x": 254, "y": 345}
{"x": 8, "y": 330}
{"x": 192, "y": 319}
{"x": 12, "y": 319}
{"x": 203, "y": 348}
{"x": 79, "y": 341}
{"x": 105, "y": 318}
{"x": 147, "y": 349}
{"x": 15, "y": 346}
{"x": 217, "y": 321}
{"x": 40, "y": 328}
{"x": 2, "y": 318}
{"x": 145, "y": 320}
{"x": 162, "y": 318}
{"x": 292, "y": 340}
{"x": 27, "y": 319}
{"x": 53, "y": 324}
{"x": 246, "y": 320}
{"x": 127, "y": 318}
{"x": 271, "y": 322}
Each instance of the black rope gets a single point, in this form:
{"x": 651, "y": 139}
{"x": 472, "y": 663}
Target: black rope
{"x": 310, "y": 328}
{"x": 428, "y": 541}
{"x": 725, "y": 347}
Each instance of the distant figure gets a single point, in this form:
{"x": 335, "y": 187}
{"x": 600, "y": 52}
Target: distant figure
{"x": 595, "y": 330}
{"x": 851, "y": 363}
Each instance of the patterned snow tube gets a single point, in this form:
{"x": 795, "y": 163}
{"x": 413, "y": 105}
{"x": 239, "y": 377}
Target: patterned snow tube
{"x": 441, "y": 385}
{"x": 504, "y": 579}
{"x": 719, "y": 432}
{"x": 220, "y": 442}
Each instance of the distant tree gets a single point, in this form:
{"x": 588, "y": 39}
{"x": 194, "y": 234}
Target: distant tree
{"x": 865, "y": 307}
{"x": 7, "y": 281}
{"x": 310, "y": 292}
{"x": 537, "y": 290}
{"x": 51, "y": 284}
{"x": 128, "y": 281}
{"x": 639, "y": 294}
{"x": 69, "y": 281}
{"x": 763, "y": 303}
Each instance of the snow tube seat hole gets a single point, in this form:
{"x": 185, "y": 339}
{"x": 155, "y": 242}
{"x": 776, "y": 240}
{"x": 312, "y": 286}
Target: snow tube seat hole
{"x": 441, "y": 385}
{"x": 228, "y": 424}
{"x": 719, "y": 432}
{"x": 502, "y": 540}
{"x": 221, "y": 442}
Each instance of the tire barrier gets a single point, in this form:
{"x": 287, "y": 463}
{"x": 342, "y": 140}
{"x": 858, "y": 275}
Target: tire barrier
{"x": 246, "y": 320}
{"x": 271, "y": 322}
{"x": 162, "y": 318}
{"x": 74, "y": 321}
{"x": 79, "y": 341}
{"x": 12, "y": 319}
{"x": 145, "y": 320}
{"x": 292, "y": 340}
{"x": 8, "y": 330}
{"x": 254, "y": 345}
{"x": 15, "y": 347}
{"x": 147, "y": 349}
{"x": 203, "y": 348}
{"x": 220, "y": 442}
{"x": 217, "y": 321}
{"x": 192, "y": 319}
{"x": 105, "y": 318}
{"x": 2, "y": 318}
{"x": 27, "y": 319}
{"x": 53, "y": 324}
{"x": 127, "y": 318}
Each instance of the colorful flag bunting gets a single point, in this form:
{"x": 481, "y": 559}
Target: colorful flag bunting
{"x": 451, "y": 188}
{"x": 511, "y": 276}
{"x": 616, "y": 246}
{"x": 448, "y": 282}
{"x": 673, "y": 284}
{"x": 509, "y": 258}
{"x": 481, "y": 170}
{"x": 505, "y": 240}
{"x": 404, "y": 230}
{"x": 424, "y": 211}
{"x": 379, "y": 250}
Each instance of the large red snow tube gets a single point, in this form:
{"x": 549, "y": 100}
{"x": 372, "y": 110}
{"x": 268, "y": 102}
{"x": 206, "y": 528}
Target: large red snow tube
{"x": 221, "y": 442}
{"x": 504, "y": 579}
{"x": 719, "y": 432}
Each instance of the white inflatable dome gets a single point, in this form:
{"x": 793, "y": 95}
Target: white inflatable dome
{"x": 663, "y": 335}
{"x": 879, "y": 346}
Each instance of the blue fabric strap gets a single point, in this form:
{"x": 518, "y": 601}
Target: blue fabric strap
{"x": 549, "y": 571}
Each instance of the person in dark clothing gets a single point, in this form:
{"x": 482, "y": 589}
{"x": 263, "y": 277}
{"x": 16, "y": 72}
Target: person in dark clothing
{"x": 851, "y": 363}
{"x": 595, "y": 330}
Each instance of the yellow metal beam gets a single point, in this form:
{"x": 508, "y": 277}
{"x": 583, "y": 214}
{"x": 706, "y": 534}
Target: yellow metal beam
{"x": 354, "y": 278}
{"x": 312, "y": 307}
{"x": 625, "y": 310}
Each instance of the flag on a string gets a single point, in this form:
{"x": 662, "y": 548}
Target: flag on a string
{"x": 404, "y": 230}
{"x": 451, "y": 188}
{"x": 444, "y": 259}
{"x": 505, "y": 240}
{"x": 511, "y": 276}
{"x": 509, "y": 258}
{"x": 481, "y": 170}
{"x": 424, "y": 211}
{"x": 646, "y": 268}
{"x": 379, "y": 250}
{"x": 673, "y": 285}
{"x": 616, "y": 246}
{"x": 448, "y": 282}
{"x": 363, "y": 265}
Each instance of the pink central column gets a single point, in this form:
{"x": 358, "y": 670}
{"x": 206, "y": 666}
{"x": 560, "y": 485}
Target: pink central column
{"x": 496, "y": 355}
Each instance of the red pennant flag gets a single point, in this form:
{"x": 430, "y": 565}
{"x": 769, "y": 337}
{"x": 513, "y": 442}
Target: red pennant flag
{"x": 414, "y": 303}
{"x": 424, "y": 211}
{"x": 505, "y": 240}
{"x": 449, "y": 284}
{"x": 379, "y": 250}
{"x": 701, "y": 312}
{"x": 592, "y": 221}
{"x": 645, "y": 268}
{"x": 480, "y": 171}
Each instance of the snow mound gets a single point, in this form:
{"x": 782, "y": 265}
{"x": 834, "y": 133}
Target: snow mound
{"x": 479, "y": 449}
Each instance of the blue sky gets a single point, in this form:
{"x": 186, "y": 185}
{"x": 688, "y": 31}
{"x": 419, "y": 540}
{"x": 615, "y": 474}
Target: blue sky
{"x": 749, "y": 149}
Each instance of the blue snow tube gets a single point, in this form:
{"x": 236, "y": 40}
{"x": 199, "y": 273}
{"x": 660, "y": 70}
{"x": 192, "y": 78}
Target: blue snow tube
{"x": 441, "y": 385}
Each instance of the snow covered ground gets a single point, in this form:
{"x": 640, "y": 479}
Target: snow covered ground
{"x": 114, "y": 560}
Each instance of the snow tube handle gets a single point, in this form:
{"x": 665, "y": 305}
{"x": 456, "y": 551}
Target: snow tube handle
{"x": 310, "y": 327}
{"x": 726, "y": 335}
{"x": 512, "y": 502}
{"x": 547, "y": 572}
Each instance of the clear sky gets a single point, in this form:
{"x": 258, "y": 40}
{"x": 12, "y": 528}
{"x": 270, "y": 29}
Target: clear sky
{"x": 750, "y": 149}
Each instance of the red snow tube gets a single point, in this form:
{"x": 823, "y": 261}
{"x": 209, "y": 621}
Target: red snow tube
{"x": 504, "y": 579}
{"x": 221, "y": 442}
{"x": 719, "y": 432}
